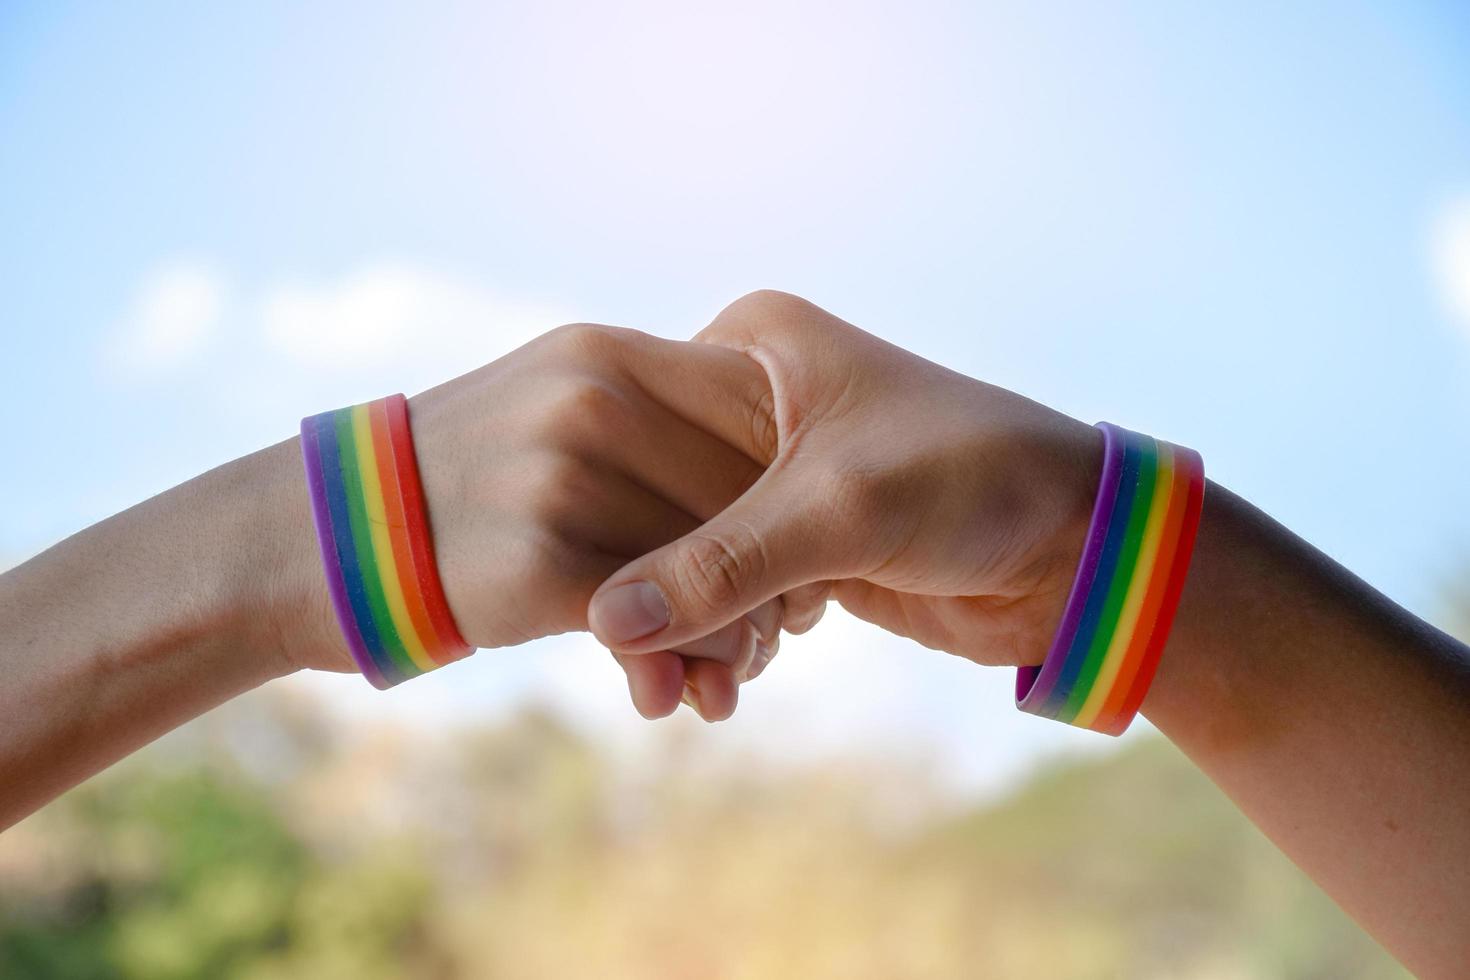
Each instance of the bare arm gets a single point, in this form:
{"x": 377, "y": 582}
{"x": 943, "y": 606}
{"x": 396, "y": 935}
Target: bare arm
{"x": 543, "y": 473}
{"x": 151, "y": 617}
{"x": 1338, "y": 722}
{"x": 953, "y": 512}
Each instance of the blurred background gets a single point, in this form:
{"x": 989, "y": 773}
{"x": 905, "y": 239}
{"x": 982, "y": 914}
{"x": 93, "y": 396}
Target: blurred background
{"x": 1244, "y": 228}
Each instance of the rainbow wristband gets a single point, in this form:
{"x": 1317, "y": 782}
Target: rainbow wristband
{"x": 373, "y": 530}
{"x": 1127, "y": 588}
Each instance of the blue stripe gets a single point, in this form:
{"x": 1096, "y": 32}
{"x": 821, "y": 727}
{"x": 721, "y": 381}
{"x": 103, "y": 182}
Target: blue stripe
{"x": 1107, "y": 567}
{"x": 326, "y": 434}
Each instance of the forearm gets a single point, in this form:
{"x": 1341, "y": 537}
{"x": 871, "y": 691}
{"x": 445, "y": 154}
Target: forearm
{"x": 1338, "y": 722}
{"x": 137, "y": 624}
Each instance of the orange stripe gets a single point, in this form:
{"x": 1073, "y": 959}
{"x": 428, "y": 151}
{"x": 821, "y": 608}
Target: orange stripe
{"x": 413, "y": 596}
{"x": 451, "y": 646}
{"x": 1153, "y": 599}
{"x": 1173, "y": 591}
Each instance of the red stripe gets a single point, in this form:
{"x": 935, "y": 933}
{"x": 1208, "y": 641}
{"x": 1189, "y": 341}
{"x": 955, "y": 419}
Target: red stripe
{"x": 1175, "y": 588}
{"x": 398, "y": 535}
{"x": 451, "y": 645}
{"x": 1153, "y": 598}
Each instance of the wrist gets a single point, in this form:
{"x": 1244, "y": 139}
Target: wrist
{"x": 1060, "y": 485}
{"x": 1121, "y": 605}
{"x": 1076, "y": 472}
{"x": 276, "y": 592}
{"x": 381, "y": 575}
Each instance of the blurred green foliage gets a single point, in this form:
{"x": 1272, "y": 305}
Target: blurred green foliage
{"x": 269, "y": 845}
{"x": 189, "y": 875}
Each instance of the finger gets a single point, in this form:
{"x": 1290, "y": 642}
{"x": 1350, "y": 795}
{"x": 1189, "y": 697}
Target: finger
{"x": 769, "y": 618}
{"x": 763, "y": 660}
{"x": 734, "y": 645}
{"x": 624, "y": 432}
{"x": 804, "y": 606}
{"x": 719, "y": 390}
{"x": 646, "y": 521}
{"x": 770, "y": 322}
{"x": 875, "y": 604}
{"x": 710, "y": 689}
{"x": 609, "y": 513}
{"x": 676, "y": 459}
{"x": 768, "y": 541}
{"x": 742, "y": 646}
{"x": 655, "y": 682}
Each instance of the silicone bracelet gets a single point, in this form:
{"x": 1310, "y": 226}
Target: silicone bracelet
{"x": 373, "y": 531}
{"x": 1122, "y": 602}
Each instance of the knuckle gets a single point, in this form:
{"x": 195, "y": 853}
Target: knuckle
{"x": 595, "y": 342}
{"x": 593, "y": 399}
{"x": 569, "y": 336}
{"x": 583, "y": 404}
{"x": 556, "y": 471}
{"x": 719, "y": 568}
{"x": 769, "y": 301}
{"x": 771, "y": 309}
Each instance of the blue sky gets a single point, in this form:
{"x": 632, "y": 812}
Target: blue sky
{"x": 1246, "y": 229}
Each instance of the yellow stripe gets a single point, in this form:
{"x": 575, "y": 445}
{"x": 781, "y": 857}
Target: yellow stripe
{"x": 1143, "y": 573}
{"x": 377, "y": 514}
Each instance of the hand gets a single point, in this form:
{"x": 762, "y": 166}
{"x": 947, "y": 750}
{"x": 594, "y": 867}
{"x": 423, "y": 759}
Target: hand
{"x": 547, "y": 470}
{"x": 936, "y": 506}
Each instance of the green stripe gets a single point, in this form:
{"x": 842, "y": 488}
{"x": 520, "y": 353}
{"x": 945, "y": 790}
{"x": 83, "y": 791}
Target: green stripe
{"x": 372, "y": 577}
{"x": 1107, "y": 624}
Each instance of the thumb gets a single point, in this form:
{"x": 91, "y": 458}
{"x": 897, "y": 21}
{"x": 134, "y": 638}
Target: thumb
{"x": 766, "y": 542}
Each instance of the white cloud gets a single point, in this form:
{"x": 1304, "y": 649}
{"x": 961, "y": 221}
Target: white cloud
{"x": 383, "y": 313}
{"x": 300, "y": 344}
{"x": 175, "y": 313}
{"x": 1451, "y": 256}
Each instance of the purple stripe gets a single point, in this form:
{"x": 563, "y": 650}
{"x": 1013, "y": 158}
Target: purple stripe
{"x": 1035, "y": 684}
{"x": 321, "y": 516}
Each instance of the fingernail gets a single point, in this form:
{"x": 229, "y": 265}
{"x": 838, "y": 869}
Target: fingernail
{"x": 691, "y": 698}
{"x": 630, "y": 612}
{"x": 764, "y": 654}
{"x": 748, "y": 650}
{"x": 766, "y": 618}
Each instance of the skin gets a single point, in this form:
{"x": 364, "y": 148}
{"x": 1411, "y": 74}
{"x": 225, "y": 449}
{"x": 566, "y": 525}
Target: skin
{"x": 953, "y": 512}
{"x": 684, "y": 501}
{"x": 544, "y": 472}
